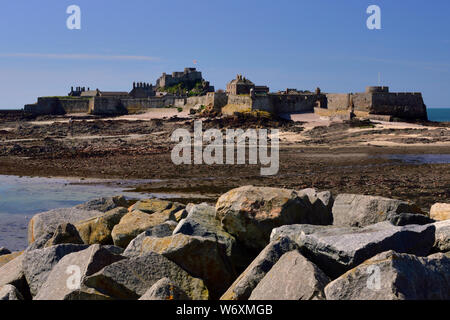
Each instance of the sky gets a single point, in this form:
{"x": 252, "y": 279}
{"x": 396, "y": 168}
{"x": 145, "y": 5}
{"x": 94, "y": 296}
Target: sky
{"x": 283, "y": 44}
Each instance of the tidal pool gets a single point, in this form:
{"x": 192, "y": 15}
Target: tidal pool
{"x": 22, "y": 197}
{"x": 419, "y": 158}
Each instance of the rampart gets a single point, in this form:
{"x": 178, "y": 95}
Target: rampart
{"x": 379, "y": 101}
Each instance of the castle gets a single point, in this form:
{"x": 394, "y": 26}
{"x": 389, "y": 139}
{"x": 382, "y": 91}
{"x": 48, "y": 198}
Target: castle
{"x": 188, "y": 89}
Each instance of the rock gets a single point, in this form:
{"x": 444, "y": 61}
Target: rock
{"x": 136, "y": 222}
{"x": 440, "y": 211}
{"x": 181, "y": 214}
{"x": 41, "y": 241}
{"x": 47, "y": 222}
{"x": 61, "y": 282}
{"x": 9, "y": 292}
{"x": 322, "y": 203}
{"x": 98, "y": 229}
{"x": 243, "y": 286}
{"x": 37, "y": 264}
{"x": 442, "y": 236}
{"x": 4, "y": 251}
{"x": 131, "y": 278}
{"x": 201, "y": 221}
{"x": 64, "y": 233}
{"x": 156, "y": 205}
{"x": 134, "y": 249}
{"x": 4, "y": 259}
{"x": 293, "y": 277}
{"x": 164, "y": 289}
{"x": 104, "y": 204}
{"x": 250, "y": 213}
{"x": 201, "y": 257}
{"x": 353, "y": 210}
{"x": 336, "y": 250}
{"x": 394, "y": 276}
{"x": 113, "y": 249}
{"x": 403, "y": 219}
{"x": 12, "y": 274}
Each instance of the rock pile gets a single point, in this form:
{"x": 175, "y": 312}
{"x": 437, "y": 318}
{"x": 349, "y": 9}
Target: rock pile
{"x": 256, "y": 243}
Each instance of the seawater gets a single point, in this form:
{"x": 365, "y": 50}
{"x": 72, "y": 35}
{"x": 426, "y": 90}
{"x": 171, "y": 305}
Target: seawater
{"x": 439, "y": 114}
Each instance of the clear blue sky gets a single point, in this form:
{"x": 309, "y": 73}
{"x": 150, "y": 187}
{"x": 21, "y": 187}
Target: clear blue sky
{"x": 284, "y": 43}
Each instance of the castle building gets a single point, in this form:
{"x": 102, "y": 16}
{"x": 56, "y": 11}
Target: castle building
{"x": 98, "y": 93}
{"x": 142, "y": 90}
{"x": 241, "y": 85}
{"x": 189, "y": 75}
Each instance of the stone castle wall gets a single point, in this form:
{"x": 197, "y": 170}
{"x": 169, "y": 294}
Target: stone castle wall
{"x": 376, "y": 101}
{"x": 58, "y": 105}
{"x": 406, "y": 105}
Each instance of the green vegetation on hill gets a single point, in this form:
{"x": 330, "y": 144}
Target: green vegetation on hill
{"x": 191, "y": 89}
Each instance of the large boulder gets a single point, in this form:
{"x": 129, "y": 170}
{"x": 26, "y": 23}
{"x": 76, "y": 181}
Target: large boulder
{"x": 204, "y": 258}
{"x": 250, "y": 213}
{"x": 164, "y": 289}
{"x": 201, "y": 221}
{"x": 37, "y": 264}
{"x": 4, "y": 259}
{"x": 104, "y": 204}
{"x": 354, "y": 210}
{"x": 134, "y": 248}
{"x": 156, "y": 205}
{"x": 98, "y": 229}
{"x": 442, "y": 236}
{"x": 403, "y": 219}
{"x": 9, "y": 292}
{"x": 243, "y": 286}
{"x": 12, "y": 274}
{"x": 4, "y": 251}
{"x": 134, "y": 223}
{"x": 131, "y": 278}
{"x": 47, "y": 222}
{"x": 293, "y": 277}
{"x": 64, "y": 233}
{"x": 394, "y": 276}
{"x": 63, "y": 282}
{"x": 336, "y": 250}
{"x": 440, "y": 211}
{"x": 144, "y": 214}
{"x": 321, "y": 202}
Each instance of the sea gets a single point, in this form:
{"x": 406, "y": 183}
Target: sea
{"x": 439, "y": 114}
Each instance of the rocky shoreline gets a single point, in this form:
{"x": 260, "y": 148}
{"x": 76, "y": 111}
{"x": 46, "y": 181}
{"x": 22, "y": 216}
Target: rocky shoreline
{"x": 254, "y": 243}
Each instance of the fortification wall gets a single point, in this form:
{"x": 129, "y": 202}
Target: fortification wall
{"x": 338, "y": 101}
{"x": 106, "y": 106}
{"x": 58, "y": 105}
{"x": 263, "y": 102}
{"x": 295, "y": 103}
{"x": 362, "y": 101}
{"x": 402, "y": 105}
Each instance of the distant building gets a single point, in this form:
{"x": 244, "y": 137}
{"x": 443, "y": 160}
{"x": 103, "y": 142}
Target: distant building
{"x": 77, "y": 92}
{"x": 142, "y": 90}
{"x": 98, "y": 93}
{"x": 188, "y": 76}
{"x": 242, "y": 85}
